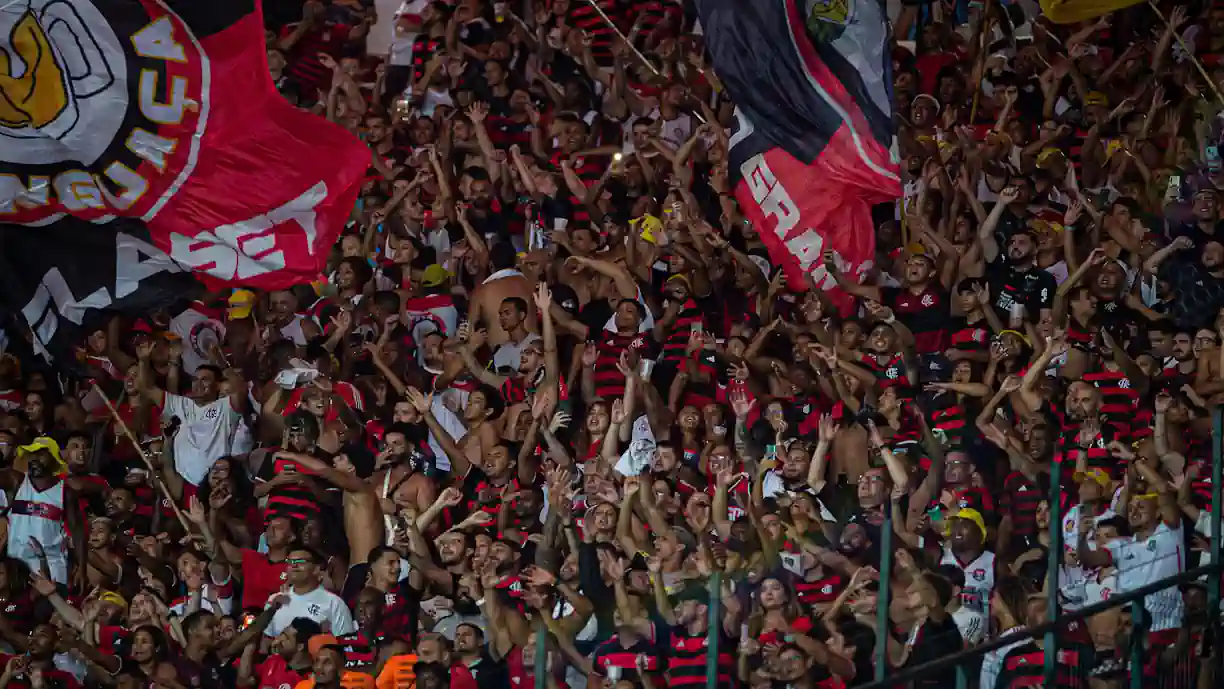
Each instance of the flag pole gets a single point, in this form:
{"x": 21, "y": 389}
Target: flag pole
{"x": 1190, "y": 53}
{"x": 157, "y": 480}
{"x": 620, "y": 34}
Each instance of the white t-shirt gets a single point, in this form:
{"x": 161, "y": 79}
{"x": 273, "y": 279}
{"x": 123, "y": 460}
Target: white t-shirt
{"x": 1141, "y": 562}
{"x": 208, "y": 433}
{"x": 319, "y": 605}
{"x": 509, "y": 354}
{"x": 1073, "y": 580}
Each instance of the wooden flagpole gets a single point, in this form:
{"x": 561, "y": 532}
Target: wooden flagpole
{"x": 1190, "y": 53}
{"x": 161, "y": 485}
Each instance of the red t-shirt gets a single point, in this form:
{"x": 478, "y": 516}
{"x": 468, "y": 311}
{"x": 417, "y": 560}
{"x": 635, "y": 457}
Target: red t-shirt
{"x": 275, "y": 673}
{"x": 261, "y": 580}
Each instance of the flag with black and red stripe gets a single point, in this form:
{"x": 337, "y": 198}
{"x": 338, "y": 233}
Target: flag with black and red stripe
{"x": 812, "y": 151}
{"x": 155, "y": 120}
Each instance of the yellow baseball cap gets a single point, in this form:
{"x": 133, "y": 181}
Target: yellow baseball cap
{"x": 434, "y": 275}
{"x": 973, "y": 516}
{"x": 241, "y": 302}
{"x": 43, "y": 443}
{"x": 112, "y": 597}
{"x": 648, "y": 225}
{"x": 1098, "y": 475}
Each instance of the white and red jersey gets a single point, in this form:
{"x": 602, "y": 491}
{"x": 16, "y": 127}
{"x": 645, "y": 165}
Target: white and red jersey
{"x": 40, "y": 515}
{"x": 434, "y": 312}
{"x": 1141, "y": 561}
{"x": 979, "y": 579}
{"x": 200, "y": 328}
{"x": 741, "y": 484}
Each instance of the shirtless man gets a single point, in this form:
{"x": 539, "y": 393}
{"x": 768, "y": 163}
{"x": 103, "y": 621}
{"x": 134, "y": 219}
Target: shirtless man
{"x": 362, "y": 511}
{"x": 402, "y": 483}
{"x": 504, "y": 283}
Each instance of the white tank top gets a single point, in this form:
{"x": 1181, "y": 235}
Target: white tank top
{"x": 979, "y": 579}
{"x": 37, "y": 515}
{"x": 293, "y": 331}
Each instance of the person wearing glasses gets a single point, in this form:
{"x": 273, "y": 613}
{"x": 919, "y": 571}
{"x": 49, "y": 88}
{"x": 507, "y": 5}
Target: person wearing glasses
{"x": 308, "y": 598}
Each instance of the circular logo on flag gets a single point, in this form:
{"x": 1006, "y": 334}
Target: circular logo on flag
{"x": 99, "y": 114}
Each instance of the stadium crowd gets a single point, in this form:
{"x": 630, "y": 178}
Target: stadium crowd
{"x": 551, "y": 383}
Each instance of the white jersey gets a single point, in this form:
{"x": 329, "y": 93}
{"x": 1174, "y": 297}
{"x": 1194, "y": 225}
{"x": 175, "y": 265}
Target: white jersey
{"x": 979, "y": 580}
{"x": 1144, "y": 561}
{"x": 971, "y": 623}
{"x": 208, "y": 433}
{"x": 1072, "y": 578}
{"x": 293, "y": 331}
{"x": 40, "y": 515}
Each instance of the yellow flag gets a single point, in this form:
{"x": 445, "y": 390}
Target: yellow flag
{"x": 1072, "y": 11}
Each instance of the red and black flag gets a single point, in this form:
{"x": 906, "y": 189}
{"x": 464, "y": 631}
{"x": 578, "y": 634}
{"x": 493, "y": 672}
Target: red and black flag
{"x": 812, "y": 86}
{"x": 142, "y": 143}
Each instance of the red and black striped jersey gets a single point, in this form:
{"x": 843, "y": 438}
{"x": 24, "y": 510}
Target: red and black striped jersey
{"x": 686, "y": 659}
{"x": 1024, "y": 666}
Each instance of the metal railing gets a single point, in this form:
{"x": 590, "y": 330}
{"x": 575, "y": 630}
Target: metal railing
{"x": 1136, "y": 667}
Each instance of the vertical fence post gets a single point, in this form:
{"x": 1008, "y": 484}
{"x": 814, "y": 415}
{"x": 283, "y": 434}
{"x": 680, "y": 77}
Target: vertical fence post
{"x": 540, "y": 664}
{"x": 1053, "y": 564}
{"x": 882, "y": 621}
{"x": 1213, "y": 581}
{"x": 1138, "y": 642}
{"x": 714, "y": 633}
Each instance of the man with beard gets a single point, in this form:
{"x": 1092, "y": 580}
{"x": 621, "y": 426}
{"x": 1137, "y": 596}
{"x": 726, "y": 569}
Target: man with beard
{"x": 470, "y": 655}
{"x": 1016, "y": 279}
{"x": 42, "y": 515}
{"x": 688, "y": 640}
{"x": 401, "y": 480}
{"x": 308, "y": 598}
{"x": 210, "y": 421}
{"x": 288, "y": 661}
{"x": 505, "y": 282}
{"x": 966, "y": 550}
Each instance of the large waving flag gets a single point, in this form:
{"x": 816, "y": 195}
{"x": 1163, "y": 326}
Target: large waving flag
{"x": 1072, "y": 11}
{"x": 141, "y": 139}
{"x": 813, "y": 88}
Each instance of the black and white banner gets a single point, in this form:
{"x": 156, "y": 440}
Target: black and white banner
{"x": 66, "y": 278}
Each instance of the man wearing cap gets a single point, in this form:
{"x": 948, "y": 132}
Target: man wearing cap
{"x": 43, "y": 512}
{"x": 966, "y": 549}
{"x": 1154, "y": 551}
{"x": 1096, "y": 491}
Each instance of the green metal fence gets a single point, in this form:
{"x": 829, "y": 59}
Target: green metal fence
{"x": 1141, "y": 668}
